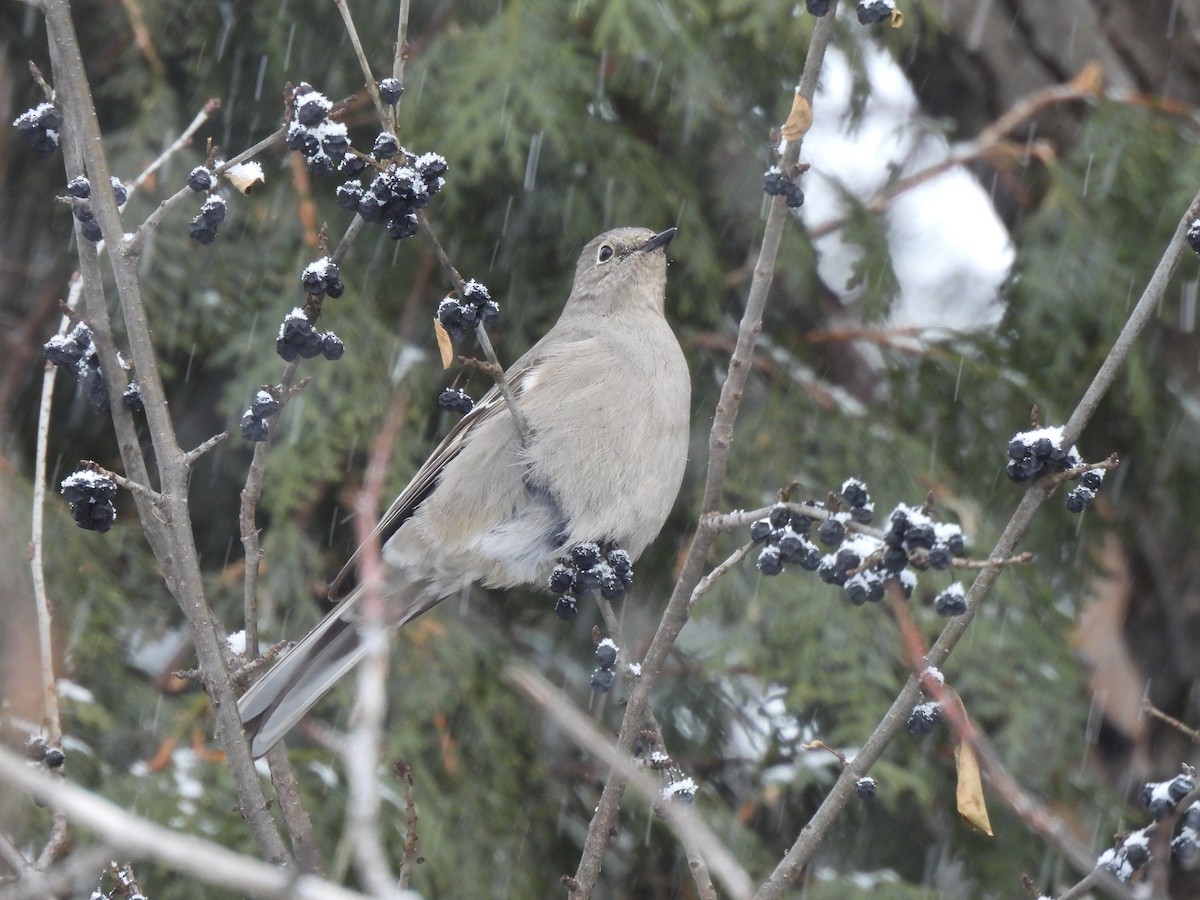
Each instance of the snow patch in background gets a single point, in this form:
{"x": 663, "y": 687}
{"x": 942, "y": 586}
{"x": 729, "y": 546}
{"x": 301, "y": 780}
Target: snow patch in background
{"x": 949, "y": 250}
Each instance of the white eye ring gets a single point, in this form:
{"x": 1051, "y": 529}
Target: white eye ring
{"x": 604, "y": 254}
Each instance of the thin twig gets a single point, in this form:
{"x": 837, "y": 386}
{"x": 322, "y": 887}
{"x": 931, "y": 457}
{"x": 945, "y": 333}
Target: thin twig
{"x": 362, "y": 744}
{"x": 192, "y": 455}
{"x": 704, "y": 585}
{"x": 680, "y": 818}
{"x": 185, "y": 138}
{"x": 1191, "y": 733}
{"x": 372, "y": 87}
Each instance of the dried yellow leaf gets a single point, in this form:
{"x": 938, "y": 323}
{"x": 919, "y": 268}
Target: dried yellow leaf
{"x": 971, "y": 805}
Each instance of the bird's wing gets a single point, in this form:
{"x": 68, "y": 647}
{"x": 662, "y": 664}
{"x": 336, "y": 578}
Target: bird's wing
{"x": 426, "y": 478}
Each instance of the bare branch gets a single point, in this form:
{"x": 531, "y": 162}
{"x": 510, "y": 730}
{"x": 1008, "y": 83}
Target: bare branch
{"x": 138, "y": 838}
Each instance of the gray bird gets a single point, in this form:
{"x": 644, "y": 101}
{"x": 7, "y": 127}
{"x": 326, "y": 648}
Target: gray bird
{"x": 606, "y": 396}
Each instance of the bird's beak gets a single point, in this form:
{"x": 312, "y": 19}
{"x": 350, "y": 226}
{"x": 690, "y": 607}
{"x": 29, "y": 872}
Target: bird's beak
{"x": 659, "y": 240}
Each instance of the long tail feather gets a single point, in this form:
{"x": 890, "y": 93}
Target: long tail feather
{"x": 305, "y": 673}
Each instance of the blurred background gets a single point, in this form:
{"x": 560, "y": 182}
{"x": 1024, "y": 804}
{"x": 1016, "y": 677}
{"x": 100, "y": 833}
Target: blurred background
{"x": 906, "y": 338}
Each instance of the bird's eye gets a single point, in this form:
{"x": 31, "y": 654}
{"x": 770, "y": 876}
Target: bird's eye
{"x": 605, "y": 254}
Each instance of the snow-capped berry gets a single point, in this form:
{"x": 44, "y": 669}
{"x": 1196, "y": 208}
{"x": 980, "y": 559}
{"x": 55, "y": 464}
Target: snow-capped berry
{"x": 335, "y": 142}
{"x": 585, "y": 555}
{"x": 952, "y": 601}
{"x": 1180, "y": 786}
{"x": 386, "y": 146}
{"x": 769, "y": 561}
{"x": 1092, "y": 479}
{"x": 779, "y": 516}
{"x": 562, "y": 579}
{"x": 920, "y": 536}
{"x": 602, "y": 681}
{"x": 864, "y": 787}
{"x": 621, "y": 565}
{"x": 54, "y": 758}
{"x": 390, "y": 90}
{"x": 924, "y": 717}
{"x": 40, "y": 127}
{"x": 565, "y": 607}
{"x": 348, "y": 195}
{"x": 253, "y": 428}
{"x": 476, "y": 292}
{"x": 606, "y": 654}
{"x": 89, "y": 494}
{"x": 940, "y": 557}
{"x": 455, "y": 400}
{"x": 352, "y": 166}
{"x": 1184, "y": 845}
{"x": 452, "y": 317}
{"x": 865, "y": 587}
{"x": 213, "y": 210}
{"x": 831, "y": 532}
{"x": 132, "y": 397}
{"x": 311, "y": 107}
{"x": 854, "y": 492}
{"x": 1191, "y": 816}
{"x": 200, "y": 179}
{"x": 79, "y": 187}
{"x": 611, "y": 586}
{"x": 332, "y": 347}
{"x": 760, "y": 530}
{"x": 432, "y": 167}
{"x": 120, "y": 192}
{"x": 297, "y": 337}
{"x": 872, "y": 11}
{"x": 264, "y": 405}
{"x": 1079, "y": 498}
{"x": 1137, "y": 852}
{"x": 1193, "y": 235}
{"x": 818, "y": 8}
{"x": 84, "y": 484}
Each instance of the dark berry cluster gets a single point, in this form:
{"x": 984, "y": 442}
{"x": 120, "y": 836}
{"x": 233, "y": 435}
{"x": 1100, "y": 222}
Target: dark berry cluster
{"x": 390, "y": 90}
{"x": 924, "y": 717}
{"x": 38, "y": 750}
{"x": 81, "y": 189}
{"x": 39, "y": 126}
{"x": 776, "y": 184}
{"x": 819, "y": 7}
{"x": 76, "y": 352}
{"x": 90, "y": 497}
{"x": 785, "y": 535}
{"x": 322, "y": 277}
{"x": 455, "y": 400}
{"x": 861, "y": 564}
{"x": 204, "y": 227}
{"x": 200, "y": 179}
{"x": 322, "y": 141}
{"x": 589, "y": 567}
{"x": 396, "y": 192}
{"x": 298, "y": 338}
{"x": 254, "y": 420}
{"x": 1035, "y": 454}
{"x": 1161, "y": 797}
{"x": 871, "y": 12}
{"x": 460, "y": 315}
{"x": 1130, "y": 855}
{"x": 606, "y": 658}
{"x": 865, "y": 787}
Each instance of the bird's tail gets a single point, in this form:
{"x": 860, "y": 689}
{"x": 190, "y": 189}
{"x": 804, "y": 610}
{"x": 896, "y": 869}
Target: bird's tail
{"x": 305, "y": 673}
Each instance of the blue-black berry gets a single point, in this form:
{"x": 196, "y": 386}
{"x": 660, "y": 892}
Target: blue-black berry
{"x": 872, "y": 11}
{"x": 390, "y": 90}
{"x": 602, "y": 681}
{"x": 952, "y": 601}
{"x": 455, "y": 400}
{"x": 200, "y": 179}
{"x": 253, "y": 428}
{"x": 606, "y": 654}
